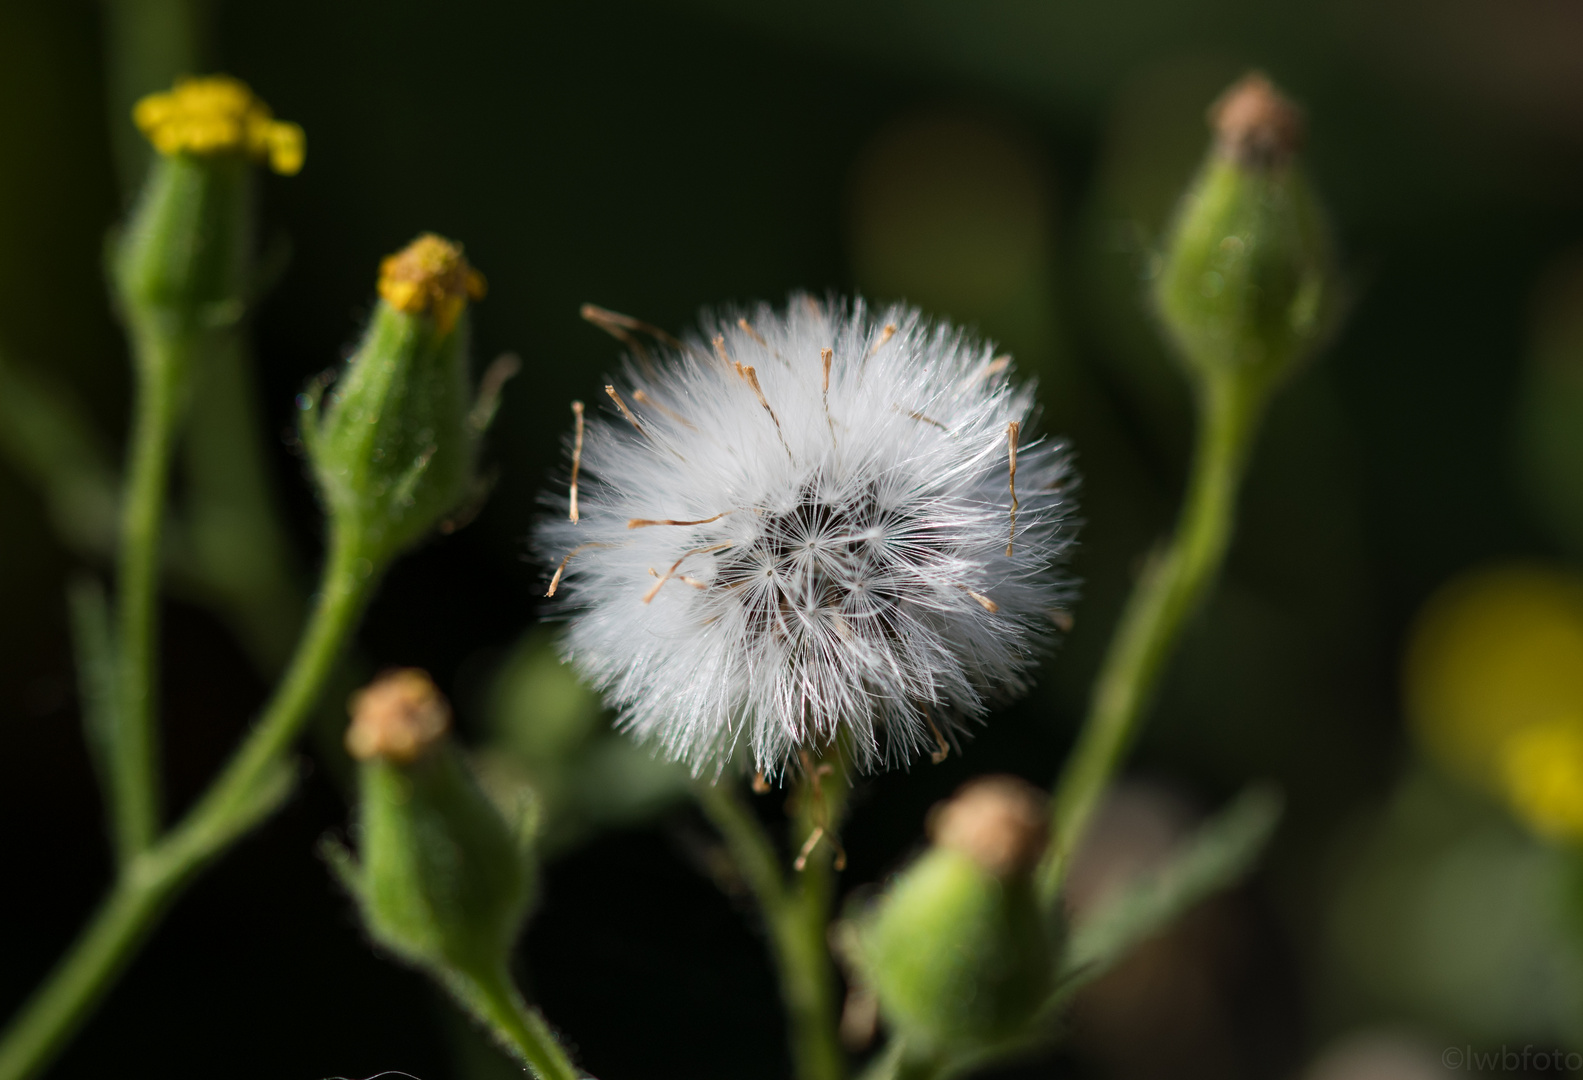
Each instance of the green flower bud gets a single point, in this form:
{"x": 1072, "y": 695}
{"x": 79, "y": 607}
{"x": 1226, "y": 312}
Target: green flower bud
{"x": 444, "y": 881}
{"x": 184, "y": 257}
{"x": 395, "y": 447}
{"x": 958, "y": 951}
{"x": 1247, "y": 287}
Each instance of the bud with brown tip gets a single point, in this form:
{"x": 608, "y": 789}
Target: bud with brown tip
{"x": 1248, "y": 289}
{"x": 958, "y": 951}
{"x": 441, "y": 878}
{"x": 399, "y": 718}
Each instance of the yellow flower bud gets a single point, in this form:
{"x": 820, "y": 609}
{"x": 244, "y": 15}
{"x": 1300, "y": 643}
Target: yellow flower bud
{"x": 430, "y": 276}
{"x": 219, "y": 115}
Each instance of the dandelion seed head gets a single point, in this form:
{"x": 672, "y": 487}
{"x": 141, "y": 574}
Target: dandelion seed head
{"x": 800, "y": 533}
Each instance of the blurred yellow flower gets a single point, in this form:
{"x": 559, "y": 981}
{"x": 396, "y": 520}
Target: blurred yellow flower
{"x": 219, "y": 115}
{"x": 1494, "y": 689}
{"x": 1542, "y": 773}
{"x": 430, "y": 275}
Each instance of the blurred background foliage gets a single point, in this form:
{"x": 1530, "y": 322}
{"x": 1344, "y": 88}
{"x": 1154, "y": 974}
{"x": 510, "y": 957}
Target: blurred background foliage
{"x": 1398, "y": 640}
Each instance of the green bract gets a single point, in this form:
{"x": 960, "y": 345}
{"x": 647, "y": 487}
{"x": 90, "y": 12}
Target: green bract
{"x": 394, "y": 446}
{"x": 185, "y": 253}
{"x": 443, "y": 880}
{"x": 1247, "y": 289}
{"x": 959, "y": 953}
{"x": 960, "y": 959}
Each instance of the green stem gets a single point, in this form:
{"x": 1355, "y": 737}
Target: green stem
{"x": 1172, "y": 587}
{"x": 50, "y": 1016}
{"x": 796, "y": 914}
{"x": 249, "y": 788}
{"x": 162, "y": 360}
{"x": 518, "y": 1026}
{"x": 895, "y": 1064}
{"x": 344, "y": 586}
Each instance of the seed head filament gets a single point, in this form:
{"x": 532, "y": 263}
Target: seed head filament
{"x": 821, "y": 524}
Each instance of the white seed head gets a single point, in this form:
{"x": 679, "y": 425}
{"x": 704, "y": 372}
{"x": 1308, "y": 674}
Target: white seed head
{"x": 799, "y": 530}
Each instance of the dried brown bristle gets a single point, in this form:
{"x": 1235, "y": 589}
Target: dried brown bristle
{"x": 644, "y": 399}
{"x": 643, "y": 523}
{"x": 683, "y": 578}
{"x": 577, "y": 452}
{"x": 752, "y": 333}
{"x": 621, "y": 326}
{"x": 499, "y": 372}
{"x": 983, "y": 601}
{"x": 1012, "y": 430}
{"x": 885, "y": 334}
{"x": 815, "y": 775}
{"x": 748, "y": 372}
{"x": 943, "y": 748}
{"x": 555, "y": 581}
{"x": 626, "y": 412}
{"x": 663, "y": 578}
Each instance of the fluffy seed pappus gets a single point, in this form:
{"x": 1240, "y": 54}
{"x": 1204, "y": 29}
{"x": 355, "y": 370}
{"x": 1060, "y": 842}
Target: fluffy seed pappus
{"x": 810, "y": 527}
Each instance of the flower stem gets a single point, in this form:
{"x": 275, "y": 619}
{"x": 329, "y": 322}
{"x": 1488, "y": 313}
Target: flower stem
{"x": 519, "y": 1027}
{"x": 896, "y": 1064}
{"x": 796, "y": 913}
{"x": 251, "y": 786}
{"x": 1172, "y": 587}
{"x": 162, "y": 361}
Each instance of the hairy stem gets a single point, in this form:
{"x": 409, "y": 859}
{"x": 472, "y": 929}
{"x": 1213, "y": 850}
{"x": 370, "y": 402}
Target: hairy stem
{"x": 796, "y": 912}
{"x": 895, "y": 1064}
{"x": 252, "y": 784}
{"x": 1172, "y": 587}
{"x": 134, "y": 790}
{"x": 344, "y": 587}
{"x": 519, "y": 1027}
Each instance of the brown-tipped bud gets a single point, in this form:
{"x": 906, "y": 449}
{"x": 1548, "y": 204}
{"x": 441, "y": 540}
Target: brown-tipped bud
{"x": 1255, "y": 125}
{"x": 430, "y": 276}
{"x": 1000, "y": 822}
{"x": 958, "y": 951}
{"x": 398, "y": 718}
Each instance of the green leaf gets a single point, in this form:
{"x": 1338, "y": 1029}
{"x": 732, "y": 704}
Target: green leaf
{"x": 94, "y": 649}
{"x": 1221, "y": 853}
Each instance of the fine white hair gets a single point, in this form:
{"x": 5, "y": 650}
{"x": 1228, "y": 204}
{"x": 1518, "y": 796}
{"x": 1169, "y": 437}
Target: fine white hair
{"x": 799, "y": 530}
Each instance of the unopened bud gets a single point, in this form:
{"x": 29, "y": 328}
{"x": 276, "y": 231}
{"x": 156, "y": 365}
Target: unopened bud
{"x": 1247, "y": 288}
{"x": 395, "y": 445}
{"x": 184, "y": 258}
{"x": 399, "y": 717}
{"x": 958, "y": 951}
{"x": 443, "y": 880}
